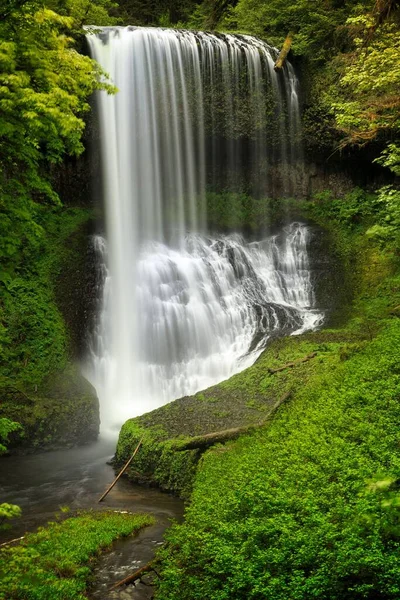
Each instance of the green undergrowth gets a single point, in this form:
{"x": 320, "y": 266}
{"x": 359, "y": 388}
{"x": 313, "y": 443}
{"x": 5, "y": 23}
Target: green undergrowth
{"x": 55, "y": 563}
{"x": 308, "y": 506}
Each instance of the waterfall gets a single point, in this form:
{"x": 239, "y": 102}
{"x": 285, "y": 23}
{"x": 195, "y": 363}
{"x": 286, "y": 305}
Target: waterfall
{"x": 182, "y": 309}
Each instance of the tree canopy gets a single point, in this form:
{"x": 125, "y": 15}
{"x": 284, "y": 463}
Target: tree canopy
{"x": 44, "y": 89}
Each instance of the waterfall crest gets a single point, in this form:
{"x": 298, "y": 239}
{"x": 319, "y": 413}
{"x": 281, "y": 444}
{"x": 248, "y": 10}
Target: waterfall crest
{"x": 181, "y": 309}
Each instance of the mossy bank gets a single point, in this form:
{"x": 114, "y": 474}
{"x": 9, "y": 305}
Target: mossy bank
{"x": 50, "y": 564}
{"x": 45, "y": 306}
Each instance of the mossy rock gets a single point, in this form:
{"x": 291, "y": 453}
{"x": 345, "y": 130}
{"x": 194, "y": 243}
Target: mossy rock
{"x": 64, "y": 411}
{"x": 246, "y": 400}
{"x": 156, "y": 464}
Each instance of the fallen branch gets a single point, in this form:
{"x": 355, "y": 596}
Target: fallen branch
{"x": 121, "y": 472}
{"x": 209, "y": 439}
{"x": 201, "y": 442}
{"x": 136, "y": 575}
{"x": 284, "y": 52}
{"x": 12, "y": 541}
{"x": 292, "y": 364}
{"x": 395, "y": 312}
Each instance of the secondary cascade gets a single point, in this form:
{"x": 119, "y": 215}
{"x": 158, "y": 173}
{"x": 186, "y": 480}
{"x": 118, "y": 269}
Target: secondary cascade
{"x": 183, "y": 308}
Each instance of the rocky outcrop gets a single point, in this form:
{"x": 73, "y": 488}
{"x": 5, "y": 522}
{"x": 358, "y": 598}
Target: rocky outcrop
{"x": 63, "y": 412}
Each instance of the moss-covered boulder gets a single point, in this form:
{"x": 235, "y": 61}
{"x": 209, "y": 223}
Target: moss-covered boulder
{"x": 64, "y": 411}
{"x": 243, "y": 402}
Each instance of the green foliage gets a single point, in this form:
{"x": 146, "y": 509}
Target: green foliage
{"x": 55, "y": 562}
{"x": 369, "y": 103}
{"x": 290, "y": 512}
{"x": 8, "y": 511}
{"x": 357, "y": 207}
{"x": 85, "y": 12}
{"x": 34, "y": 341}
{"x": 6, "y": 427}
{"x": 316, "y": 25}
{"x": 388, "y": 227}
{"x": 44, "y": 90}
{"x": 390, "y": 158}
{"x": 380, "y": 211}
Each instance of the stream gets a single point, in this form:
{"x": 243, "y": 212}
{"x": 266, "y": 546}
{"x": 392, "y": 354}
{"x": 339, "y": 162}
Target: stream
{"x": 43, "y": 483}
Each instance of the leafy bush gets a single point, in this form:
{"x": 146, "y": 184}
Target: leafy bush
{"x": 355, "y": 208}
{"x": 7, "y": 511}
{"x": 388, "y": 227}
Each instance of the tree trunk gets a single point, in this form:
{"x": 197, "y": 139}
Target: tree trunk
{"x": 135, "y": 576}
{"x": 292, "y": 364}
{"x": 121, "y": 472}
{"x": 202, "y": 442}
{"x": 284, "y": 52}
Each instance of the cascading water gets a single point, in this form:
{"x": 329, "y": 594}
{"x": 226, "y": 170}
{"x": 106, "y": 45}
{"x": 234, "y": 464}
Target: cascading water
{"x": 181, "y": 309}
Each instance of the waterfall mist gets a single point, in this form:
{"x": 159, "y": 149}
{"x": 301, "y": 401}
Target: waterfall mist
{"x": 183, "y": 309}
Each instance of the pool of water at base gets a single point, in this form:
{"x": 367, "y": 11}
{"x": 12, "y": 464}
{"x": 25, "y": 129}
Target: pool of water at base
{"x": 41, "y": 484}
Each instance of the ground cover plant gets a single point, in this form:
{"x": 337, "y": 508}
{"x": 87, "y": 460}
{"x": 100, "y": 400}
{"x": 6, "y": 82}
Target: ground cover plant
{"x": 54, "y": 563}
{"x": 309, "y": 506}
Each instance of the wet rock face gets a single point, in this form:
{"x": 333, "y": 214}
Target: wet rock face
{"x": 333, "y": 292}
{"x": 77, "y": 288}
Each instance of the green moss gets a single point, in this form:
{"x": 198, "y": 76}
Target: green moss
{"x": 39, "y": 385}
{"x": 56, "y": 561}
{"x": 34, "y": 340}
{"x": 230, "y": 211}
{"x": 63, "y": 411}
{"x": 157, "y": 463}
